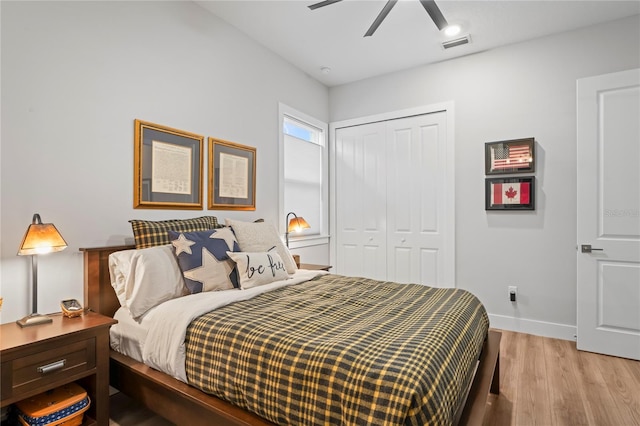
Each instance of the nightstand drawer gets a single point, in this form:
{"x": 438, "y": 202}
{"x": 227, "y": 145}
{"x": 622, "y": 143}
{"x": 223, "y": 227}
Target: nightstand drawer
{"x": 45, "y": 367}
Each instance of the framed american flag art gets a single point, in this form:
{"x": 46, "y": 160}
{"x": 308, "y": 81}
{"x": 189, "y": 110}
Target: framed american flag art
{"x": 510, "y": 193}
{"x": 513, "y": 156}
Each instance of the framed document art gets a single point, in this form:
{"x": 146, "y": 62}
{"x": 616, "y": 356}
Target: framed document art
{"x": 167, "y": 168}
{"x": 510, "y": 193}
{"x": 514, "y": 156}
{"x": 232, "y": 176}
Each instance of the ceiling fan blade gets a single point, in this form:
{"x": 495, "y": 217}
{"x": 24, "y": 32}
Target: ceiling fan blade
{"x": 383, "y": 14}
{"x": 434, "y": 11}
{"x": 323, "y": 4}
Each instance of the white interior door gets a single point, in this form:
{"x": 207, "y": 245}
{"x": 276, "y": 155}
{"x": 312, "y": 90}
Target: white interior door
{"x": 608, "y": 214}
{"x": 416, "y": 201}
{"x": 361, "y": 199}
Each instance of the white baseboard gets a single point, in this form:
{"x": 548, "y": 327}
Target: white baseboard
{"x": 538, "y": 328}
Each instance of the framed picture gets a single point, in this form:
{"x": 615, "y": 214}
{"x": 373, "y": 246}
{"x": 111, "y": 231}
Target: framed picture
{"x": 510, "y": 193}
{"x": 514, "y": 156}
{"x": 232, "y": 176}
{"x": 167, "y": 168}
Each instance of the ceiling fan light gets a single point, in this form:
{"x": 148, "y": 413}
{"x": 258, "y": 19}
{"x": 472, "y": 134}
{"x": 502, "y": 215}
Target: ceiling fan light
{"x": 452, "y": 30}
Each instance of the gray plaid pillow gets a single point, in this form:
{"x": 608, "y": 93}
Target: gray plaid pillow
{"x": 149, "y": 233}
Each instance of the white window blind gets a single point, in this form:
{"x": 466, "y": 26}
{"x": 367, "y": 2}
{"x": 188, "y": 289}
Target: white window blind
{"x": 304, "y": 173}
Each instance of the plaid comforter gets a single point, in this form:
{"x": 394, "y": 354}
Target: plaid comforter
{"x": 341, "y": 351}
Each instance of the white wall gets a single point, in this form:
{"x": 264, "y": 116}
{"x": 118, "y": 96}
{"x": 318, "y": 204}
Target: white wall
{"x": 74, "y": 77}
{"x": 522, "y": 90}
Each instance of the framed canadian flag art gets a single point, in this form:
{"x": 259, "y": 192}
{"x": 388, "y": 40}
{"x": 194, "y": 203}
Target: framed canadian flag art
{"x": 510, "y": 193}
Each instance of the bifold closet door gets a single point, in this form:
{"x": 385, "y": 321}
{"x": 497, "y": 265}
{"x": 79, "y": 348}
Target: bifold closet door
{"x": 417, "y": 222}
{"x": 392, "y": 216}
{"x": 361, "y": 191}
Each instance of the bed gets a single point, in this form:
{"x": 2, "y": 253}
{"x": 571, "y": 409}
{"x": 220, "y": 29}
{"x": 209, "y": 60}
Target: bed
{"x": 185, "y": 404}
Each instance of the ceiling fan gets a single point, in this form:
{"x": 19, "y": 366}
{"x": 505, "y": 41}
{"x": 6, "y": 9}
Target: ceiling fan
{"x": 429, "y": 5}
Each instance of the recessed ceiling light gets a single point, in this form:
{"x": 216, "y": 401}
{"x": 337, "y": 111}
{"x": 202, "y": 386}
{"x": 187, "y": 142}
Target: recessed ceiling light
{"x": 452, "y": 30}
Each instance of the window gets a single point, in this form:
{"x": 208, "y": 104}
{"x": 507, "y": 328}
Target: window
{"x": 304, "y": 174}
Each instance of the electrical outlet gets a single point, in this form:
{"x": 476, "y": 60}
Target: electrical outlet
{"x": 513, "y": 293}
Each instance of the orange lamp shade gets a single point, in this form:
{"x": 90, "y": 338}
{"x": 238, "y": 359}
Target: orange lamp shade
{"x": 41, "y": 238}
{"x": 296, "y": 224}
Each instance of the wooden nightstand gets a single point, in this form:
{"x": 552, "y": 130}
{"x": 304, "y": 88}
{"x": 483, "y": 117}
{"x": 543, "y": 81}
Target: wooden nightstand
{"x": 314, "y": 267}
{"x": 39, "y": 358}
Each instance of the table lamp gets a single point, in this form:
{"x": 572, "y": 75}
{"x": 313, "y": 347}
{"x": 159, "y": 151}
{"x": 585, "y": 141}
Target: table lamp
{"x": 296, "y": 224}
{"x": 40, "y": 238}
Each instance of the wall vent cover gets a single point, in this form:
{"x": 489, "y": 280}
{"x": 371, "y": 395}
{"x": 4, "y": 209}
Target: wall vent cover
{"x": 466, "y": 39}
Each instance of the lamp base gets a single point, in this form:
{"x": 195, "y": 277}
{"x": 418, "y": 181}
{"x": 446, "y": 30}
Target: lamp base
{"x": 33, "y": 319}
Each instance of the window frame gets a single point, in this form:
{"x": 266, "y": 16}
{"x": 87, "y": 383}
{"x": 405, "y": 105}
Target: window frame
{"x": 296, "y": 241}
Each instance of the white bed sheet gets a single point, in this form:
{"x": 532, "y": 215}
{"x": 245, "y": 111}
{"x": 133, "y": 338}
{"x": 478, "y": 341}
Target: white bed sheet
{"x": 128, "y": 336}
{"x": 157, "y": 338}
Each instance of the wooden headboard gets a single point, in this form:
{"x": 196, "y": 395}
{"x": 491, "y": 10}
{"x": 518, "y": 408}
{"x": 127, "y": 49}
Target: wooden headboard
{"x": 99, "y": 296}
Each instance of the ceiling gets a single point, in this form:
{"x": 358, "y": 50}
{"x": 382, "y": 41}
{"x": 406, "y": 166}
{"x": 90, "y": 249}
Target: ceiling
{"x": 332, "y": 36}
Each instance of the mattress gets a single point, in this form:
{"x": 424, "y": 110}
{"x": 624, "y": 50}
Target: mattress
{"x": 341, "y": 350}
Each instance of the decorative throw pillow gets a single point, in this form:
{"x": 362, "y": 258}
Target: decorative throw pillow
{"x": 203, "y": 259}
{"x": 149, "y": 233}
{"x": 261, "y": 237}
{"x": 256, "y": 269}
{"x": 145, "y": 278}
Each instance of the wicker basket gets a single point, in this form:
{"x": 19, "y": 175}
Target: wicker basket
{"x": 64, "y": 405}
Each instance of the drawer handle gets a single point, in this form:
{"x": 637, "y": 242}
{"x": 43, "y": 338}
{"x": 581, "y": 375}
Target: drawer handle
{"x": 44, "y": 369}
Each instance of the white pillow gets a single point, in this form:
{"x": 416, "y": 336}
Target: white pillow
{"x": 145, "y": 278}
{"x": 259, "y": 237}
{"x": 256, "y": 269}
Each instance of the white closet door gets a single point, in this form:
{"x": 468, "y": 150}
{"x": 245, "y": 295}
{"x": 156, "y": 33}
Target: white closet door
{"x": 394, "y": 200}
{"x": 417, "y": 224}
{"x": 361, "y": 201}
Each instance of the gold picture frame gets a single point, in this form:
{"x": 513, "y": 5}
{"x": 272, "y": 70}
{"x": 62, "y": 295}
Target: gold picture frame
{"x": 167, "y": 167}
{"x": 232, "y": 176}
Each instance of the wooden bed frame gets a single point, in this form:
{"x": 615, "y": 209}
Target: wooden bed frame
{"x": 183, "y": 404}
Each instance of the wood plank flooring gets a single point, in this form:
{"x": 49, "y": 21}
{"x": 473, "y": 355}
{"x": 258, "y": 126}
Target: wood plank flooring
{"x": 543, "y": 382}
{"x": 547, "y": 381}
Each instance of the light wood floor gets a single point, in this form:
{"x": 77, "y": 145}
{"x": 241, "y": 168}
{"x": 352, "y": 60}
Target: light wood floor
{"x": 542, "y": 382}
{"x": 549, "y": 382}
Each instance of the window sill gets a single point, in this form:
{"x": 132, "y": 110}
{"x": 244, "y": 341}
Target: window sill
{"x": 307, "y": 241}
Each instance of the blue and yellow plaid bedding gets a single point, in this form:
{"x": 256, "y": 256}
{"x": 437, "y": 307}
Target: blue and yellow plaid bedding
{"x": 341, "y": 351}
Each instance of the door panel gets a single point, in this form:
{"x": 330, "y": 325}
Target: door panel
{"x": 620, "y": 167}
{"x": 618, "y": 290}
{"x": 401, "y": 258}
{"x": 429, "y": 268}
{"x": 417, "y": 172}
{"x": 361, "y": 192}
{"x": 609, "y": 214}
